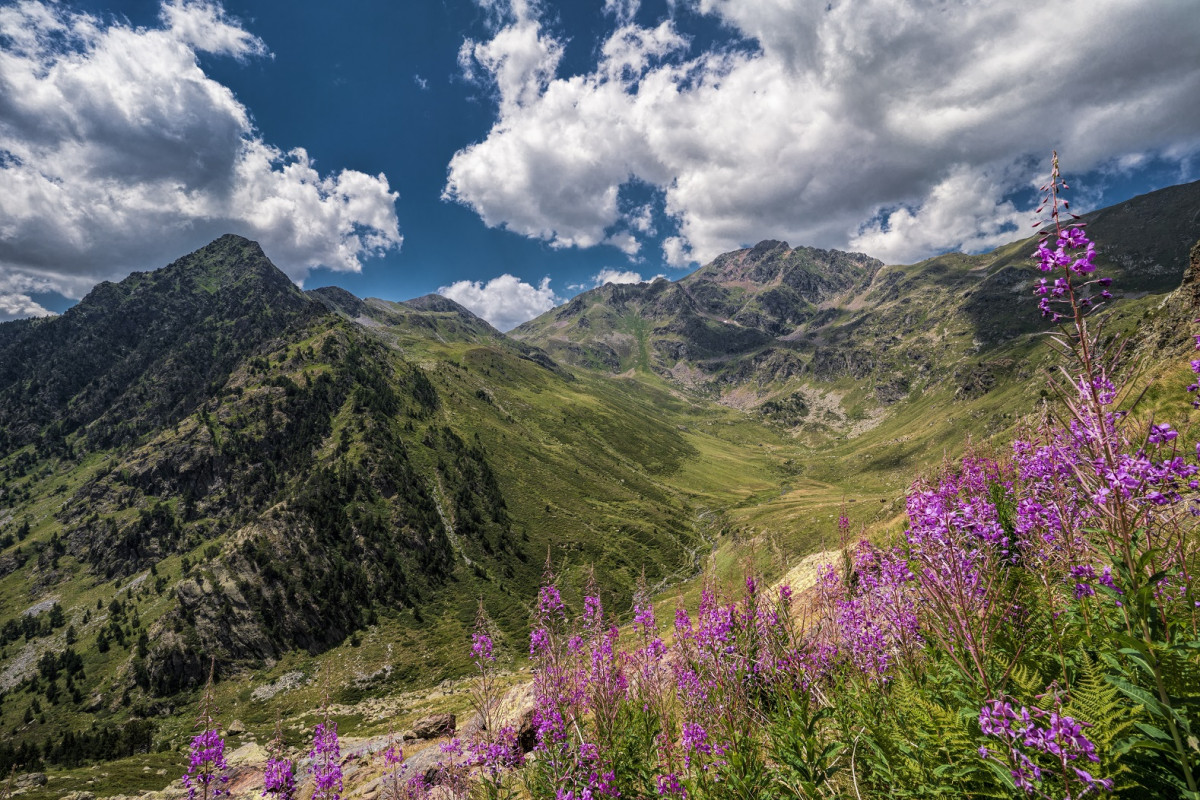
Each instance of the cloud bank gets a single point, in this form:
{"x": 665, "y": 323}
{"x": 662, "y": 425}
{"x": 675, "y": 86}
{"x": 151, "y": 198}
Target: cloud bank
{"x": 505, "y": 301}
{"x": 899, "y": 127}
{"x": 117, "y": 152}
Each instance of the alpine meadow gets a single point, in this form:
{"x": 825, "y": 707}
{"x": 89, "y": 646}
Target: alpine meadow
{"x": 633, "y": 499}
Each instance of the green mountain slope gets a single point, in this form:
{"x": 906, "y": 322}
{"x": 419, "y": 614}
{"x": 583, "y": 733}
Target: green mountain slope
{"x": 205, "y": 462}
{"x": 256, "y": 487}
{"x": 145, "y": 351}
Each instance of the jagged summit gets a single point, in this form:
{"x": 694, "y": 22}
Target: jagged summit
{"x": 231, "y": 262}
{"x": 737, "y": 304}
{"x": 813, "y": 271}
{"x": 135, "y": 354}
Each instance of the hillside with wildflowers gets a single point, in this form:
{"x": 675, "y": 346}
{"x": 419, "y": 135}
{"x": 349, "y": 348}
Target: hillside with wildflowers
{"x": 1017, "y": 620}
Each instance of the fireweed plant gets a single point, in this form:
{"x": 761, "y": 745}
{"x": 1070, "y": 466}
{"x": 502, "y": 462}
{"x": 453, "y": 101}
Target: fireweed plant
{"x": 279, "y": 780}
{"x": 207, "y": 775}
{"x": 326, "y": 758}
{"x": 1032, "y": 633}
{"x": 495, "y": 751}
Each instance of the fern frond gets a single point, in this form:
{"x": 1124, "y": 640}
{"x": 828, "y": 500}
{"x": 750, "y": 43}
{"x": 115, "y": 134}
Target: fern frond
{"x": 1112, "y": 716}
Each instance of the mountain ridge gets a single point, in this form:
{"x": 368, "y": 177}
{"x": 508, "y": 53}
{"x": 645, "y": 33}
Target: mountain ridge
{"x": 771, "y": 326}
{"x": 332, "y": 473}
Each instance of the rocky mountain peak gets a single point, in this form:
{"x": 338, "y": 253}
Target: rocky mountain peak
{"x": 134, "y": 354}
{"x": 813, "y": 271}
{"x": 439, "y": 304}
{"x": 235, "y": 262}
{"x": 338, "y": 299}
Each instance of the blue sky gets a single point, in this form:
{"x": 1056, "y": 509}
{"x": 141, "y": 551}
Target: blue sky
{"x": 510, "y": 153}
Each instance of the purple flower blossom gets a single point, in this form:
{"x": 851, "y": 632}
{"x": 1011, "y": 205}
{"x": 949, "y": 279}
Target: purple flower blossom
{"x": 496, "y": 754}
{"x": 279, "y": 782}
{"x": 592, "y": 608}
{"x": 539, "y": 640}
{"x": 669, "y": 786}
{"x": 1106, "y": 579}
{"x": 550, "y": 601}
{"x": 481, "y": 648}
{"x": 326, "y": 761}
{"x": 1032, "y": 732}
{"x": 643, "y": 615}
{"x": 207, "y": 774}
{"x": 1161, "y": 434}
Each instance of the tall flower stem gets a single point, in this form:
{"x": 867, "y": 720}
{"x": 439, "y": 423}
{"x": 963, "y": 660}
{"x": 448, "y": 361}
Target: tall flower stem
{"x": 326, "y": 756}
{"x": 207, "y": 774}
{"x": 1099, "y": 426}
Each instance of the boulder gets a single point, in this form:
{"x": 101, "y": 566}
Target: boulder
{"x": 29, "y": 780}
{"x": 434, "y": 726}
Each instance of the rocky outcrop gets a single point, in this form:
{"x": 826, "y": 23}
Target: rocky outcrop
{"x": 434, "y": 726}
{"x": 1168, "y": 331}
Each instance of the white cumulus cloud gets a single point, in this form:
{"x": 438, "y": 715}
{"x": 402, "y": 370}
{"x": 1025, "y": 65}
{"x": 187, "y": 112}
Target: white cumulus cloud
{"x": 17, "y": 306}
{"x": 623, "y": 10}
{"x": 505, "y": 301}
{"x": 898, "y": 125}
{"x": 962, "y": 208}
{"x": 619, "y": 276}
{"x": 118, "y": 152}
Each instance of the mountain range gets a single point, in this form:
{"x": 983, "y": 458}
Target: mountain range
{"x": 205, "y": 464}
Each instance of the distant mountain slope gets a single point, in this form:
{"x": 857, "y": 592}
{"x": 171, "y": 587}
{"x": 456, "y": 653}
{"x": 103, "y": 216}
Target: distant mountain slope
{"x": 773, "y": 327}
{"x": 414, "y": 323}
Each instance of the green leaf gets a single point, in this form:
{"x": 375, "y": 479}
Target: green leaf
{"x": 1138, "y": 694}
{"x": 1003, "y": 775}
{"x": 1154, "y": 732}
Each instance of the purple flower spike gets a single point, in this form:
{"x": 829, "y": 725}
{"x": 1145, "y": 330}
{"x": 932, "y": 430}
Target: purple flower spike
{"x": 326, "y": 757}
{"x": 1031, "y": 733}
{"x": 278, "y": 780}
{"x": 207, "y": 775}
{"x": 481, "y": 647}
